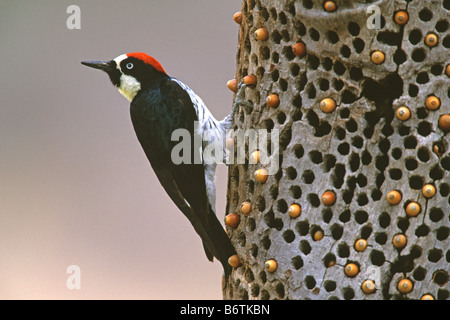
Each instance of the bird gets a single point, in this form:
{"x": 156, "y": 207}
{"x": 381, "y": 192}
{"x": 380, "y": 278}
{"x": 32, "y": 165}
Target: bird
{"x": 159, "y": 105}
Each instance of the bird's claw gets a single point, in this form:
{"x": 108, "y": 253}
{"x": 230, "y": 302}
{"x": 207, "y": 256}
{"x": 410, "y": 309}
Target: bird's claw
{"x": 240, "y": 98}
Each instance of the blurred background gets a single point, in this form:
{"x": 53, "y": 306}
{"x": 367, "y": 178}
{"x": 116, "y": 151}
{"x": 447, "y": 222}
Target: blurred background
{"x": 75, "y": 185}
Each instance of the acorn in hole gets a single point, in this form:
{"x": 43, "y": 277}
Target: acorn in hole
{"x": 273, "y": 100}
{"x": 261, "y": 34}
{"x": 405, "y": 286}
{"x": 431, "y": 40}
{"x": 237, "y": 17}
{"x": 368, "y": 286}
{"x": 294, "y": 210}
{"x": 246, "y": 208}
{"x": 234, "y": 261}
{"x": 351, "y": 270}
{"x": 261, "y": 175}
{"x": 328, "y": 198}
{"x": 327, "y": 105}
{"x": 401, "y": 17}
{"x": 377, "y": 57}
{"x": 394, "y": 197}
{"x": 330, "y": 6}
{"x": 399, "y": 241}
{"x": 299, "y": 49}
{"x": 432, "y": 103}
{"x": 360, "y": 245}
{"x": 403, "y": 113}
{"x": 412, "y": 209}
{"x": 271, "y": 265}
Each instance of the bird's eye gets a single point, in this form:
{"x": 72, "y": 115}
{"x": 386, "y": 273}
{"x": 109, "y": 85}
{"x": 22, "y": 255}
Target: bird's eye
{"x": 129, "y": 66}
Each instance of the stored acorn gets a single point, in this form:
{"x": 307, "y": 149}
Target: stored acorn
{"x": 412, "y": 209}
{"x": 234, "y": 261}
{"x": 299, "y": 49}
{"x": 403, "y": 113}
{"x": 330, "y": 6}
{"x": 237, "y": 17}
{"x": 360, "y": 245}
{"x": 401, "y": 17}
{"x": 438, "y": 149}
{"x": 431, "y": 40}
{"x": 394, "y": 197}
{"x": 294, "y": 210}
{"x": 261, "y": 175}
{"x": 246, "y": 208}
{"x": 255, "y": 157}
{"x": 432, "y": 103}
{"x": 271, "y": 265}
{"x": 250, "y": 80}
{"x": 232, "y": 220}
{"x": 233, "y": 85}
{"x": 428, "y": 190}
{"x": 327, "y": 105}
{"x": 273, "y": 100}
{"x": 368, "y": 286}
{"x": 444, "y": 122}
{"x": 318, "y": 235}
{"x": 261, "y": 34}
{"x": 351, "y": 270}
{"x": 328, "y": 198}
{"x": 399, "y": 241}
{"x": 405, "y": 286}
{"x": 377, "y": 57}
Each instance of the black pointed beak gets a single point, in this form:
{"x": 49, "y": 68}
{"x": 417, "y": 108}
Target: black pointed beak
{"x": 106, "y": 66}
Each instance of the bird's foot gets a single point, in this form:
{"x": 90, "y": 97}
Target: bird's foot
{"x": 240, "y": 99}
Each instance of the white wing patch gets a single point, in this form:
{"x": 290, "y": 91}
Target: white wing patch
{"x": 207, "y": 123}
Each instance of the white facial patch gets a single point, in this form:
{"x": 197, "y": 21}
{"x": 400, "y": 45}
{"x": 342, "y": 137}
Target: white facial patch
{"x": 119, "y": 59}
{"x": 129, "y": 86}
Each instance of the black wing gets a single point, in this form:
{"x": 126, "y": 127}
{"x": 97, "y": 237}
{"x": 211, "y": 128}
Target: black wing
{"x": 156, "y": 113}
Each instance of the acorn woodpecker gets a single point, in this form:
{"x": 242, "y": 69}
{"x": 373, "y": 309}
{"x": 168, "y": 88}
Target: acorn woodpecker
{"x": 161, "y": 104}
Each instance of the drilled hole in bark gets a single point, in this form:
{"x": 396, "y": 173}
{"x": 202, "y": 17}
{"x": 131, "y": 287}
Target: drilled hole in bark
{"x": 305, "y": 247}
{"x": 336, "y": 231}
{"x": 396, "y": 153}
{"x": 340, "y": 133}
{"x": 302, "y": 227}
{"x": 314, "y": 34}
{"x": 384, "y": 219}
{"x": 316, "y": 156}
{"x": 434, "y": 255}
{"x": 415, "y": 36}
{"x": 358, "y": 45}
{"x": 297, "y": 262}
{"x": 310, "y": 282}
{"x": 436, "y": 214}
{"x": 361, "y": 216}
{"x": 353, "y": 28}
{"x": 425, "y": 14}
{"x": 313, "y": 199}
{"x": 343, "y": 250}
{"x": 288, "y": 236}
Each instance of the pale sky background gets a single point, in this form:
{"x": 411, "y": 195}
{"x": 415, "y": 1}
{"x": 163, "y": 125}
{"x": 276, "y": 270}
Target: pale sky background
{"x": 75, "y": 185}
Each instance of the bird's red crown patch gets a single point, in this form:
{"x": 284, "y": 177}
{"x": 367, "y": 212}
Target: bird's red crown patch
{"x": 148, "y": 60}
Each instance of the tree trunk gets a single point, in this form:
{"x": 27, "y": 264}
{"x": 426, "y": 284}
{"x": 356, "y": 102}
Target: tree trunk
{"x": 361, "y": 150}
